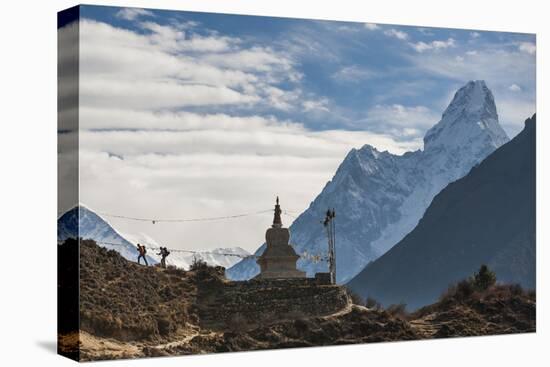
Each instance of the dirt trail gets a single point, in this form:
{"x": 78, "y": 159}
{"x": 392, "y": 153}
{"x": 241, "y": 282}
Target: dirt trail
{"x": 425, "y": 327}
{"x": 344, "y": 311}
{"x": 94, "y": 348}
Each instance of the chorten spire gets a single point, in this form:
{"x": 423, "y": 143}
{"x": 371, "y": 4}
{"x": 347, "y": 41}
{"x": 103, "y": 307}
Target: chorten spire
{"x": 278, "y": 260}
{"x": 277, "y": 223}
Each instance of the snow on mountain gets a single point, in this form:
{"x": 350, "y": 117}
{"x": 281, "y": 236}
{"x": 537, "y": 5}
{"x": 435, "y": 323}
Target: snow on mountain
{"x": 83, "y": 222}
{"x": 379, "y": 197}
{"x": 92, "y": 226}
{"x": 214, "y": 257}
{"x": 486, "y": 217}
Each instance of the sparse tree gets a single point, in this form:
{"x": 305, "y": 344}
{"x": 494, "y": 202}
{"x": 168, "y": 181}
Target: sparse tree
{"x": 484, "y": 278}
{"x": 198, "y": 264}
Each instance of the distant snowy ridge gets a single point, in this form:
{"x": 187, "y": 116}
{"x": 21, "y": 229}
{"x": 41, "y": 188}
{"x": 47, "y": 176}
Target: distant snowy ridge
{"x": 83, "y": 222}
{"x": 379, "y": 197}
{"x": 91, "y": 226}
{"x": 214, "y": 257}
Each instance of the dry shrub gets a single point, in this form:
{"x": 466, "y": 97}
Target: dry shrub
{"x": 356, "y": 298}
{"x": 373, "y": 304}
{"x": 474, "y": 287}
{"x": 198, "y": 264}
{"x": 398, "y": 310}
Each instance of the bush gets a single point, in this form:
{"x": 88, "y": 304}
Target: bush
{"x": 465, "y": 289}
{"x": 398, "y": 310}
{"x": 356, "y": 298}
{"x": 373, "y": 304}
{"x": 198, "y": 264}
{"x": 516, "y": 290}
{"x": 480, "y": 282}
{"x": 484, "y": 278}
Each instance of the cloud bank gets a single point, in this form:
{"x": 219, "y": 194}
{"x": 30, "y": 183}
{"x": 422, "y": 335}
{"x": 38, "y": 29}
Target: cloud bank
{"x": 172, "y": 125}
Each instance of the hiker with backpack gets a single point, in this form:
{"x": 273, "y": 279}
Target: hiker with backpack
{"x": 142, "y": 251}
{"x": 163, "y": 253}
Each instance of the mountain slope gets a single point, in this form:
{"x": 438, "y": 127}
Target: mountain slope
{"x": 82, "y": 222}
{"x": 380, "y": 197}
{"x": 487, "y": 217}
{"x": 128, "y": 311}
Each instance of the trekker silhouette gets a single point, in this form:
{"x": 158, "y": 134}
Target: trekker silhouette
{"x": 142, "y": 251}
{"x": 163, "y": 252}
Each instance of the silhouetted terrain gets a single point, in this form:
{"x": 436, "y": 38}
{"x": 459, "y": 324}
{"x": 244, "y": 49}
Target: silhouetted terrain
{"x": 487, "y": 217}
{"x": 129, "y": 310}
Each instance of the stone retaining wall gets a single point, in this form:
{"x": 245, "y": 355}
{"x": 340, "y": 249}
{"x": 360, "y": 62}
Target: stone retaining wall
{"x": 242, "y": 305}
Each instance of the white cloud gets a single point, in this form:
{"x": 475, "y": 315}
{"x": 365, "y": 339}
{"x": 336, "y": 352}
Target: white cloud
{"x": 353, "y": 73}
{"x": 471, "y": 53}
{"x": 201, "y": 185}
{"x": 418, "y": 118}
{"x": 145, "y": 94}
{"x": 511, "y": 66}
{"x": 120, "y": 119}
{"x": 434, "y": 45}
{"x": 170, "y": 38}
{"x": 514, "y": 88}
{"x": 133, "y": 13}
{"x": 179, "y": 68}
{"x": 528, "y": 47}
{"x": 371, "y": 26}
{"x": 392, "y": 32}
{"x": 265, "y": 143}
{"x": 475, "y": 34}
{"x": 281, "y": 99}
{"x": 425, "y": 31}
{"x": 316, "y": 105}
{"x": 236, "y": 167}
{"x": 255, "y": 59}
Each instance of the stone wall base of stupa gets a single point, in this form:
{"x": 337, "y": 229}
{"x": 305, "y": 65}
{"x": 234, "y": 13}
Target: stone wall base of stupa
{"x": 282, "y": 274}
{"x": 260, "y": 302}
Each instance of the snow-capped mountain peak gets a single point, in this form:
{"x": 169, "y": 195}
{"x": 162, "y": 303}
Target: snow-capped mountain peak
{"x": 379, "y": 197}
{"x": 471, "y": 116}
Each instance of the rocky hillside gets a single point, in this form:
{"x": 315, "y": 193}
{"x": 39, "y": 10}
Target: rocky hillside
{"x": 379, "y": 197}
{"x": 465, "y": 311}
{"x": 127, "y": 301}
{"x": 487, "y": 217}
{"x": 129, "y": 310}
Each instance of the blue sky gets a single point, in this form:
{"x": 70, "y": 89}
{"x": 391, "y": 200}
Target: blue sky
{"x": 350, "y": 69}
{"x": 199, "y": 115}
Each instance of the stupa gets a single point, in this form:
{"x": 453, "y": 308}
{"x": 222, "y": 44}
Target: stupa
{"x": 279, "y": 258}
